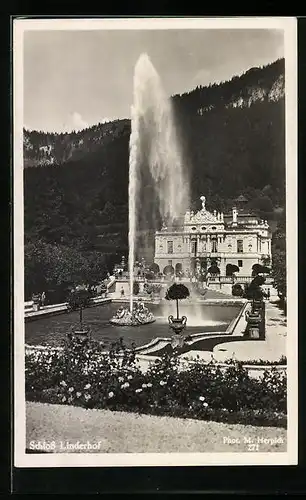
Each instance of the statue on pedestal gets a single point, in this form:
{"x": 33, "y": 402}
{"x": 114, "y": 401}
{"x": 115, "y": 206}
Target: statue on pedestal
{"x": 203, "y": 200}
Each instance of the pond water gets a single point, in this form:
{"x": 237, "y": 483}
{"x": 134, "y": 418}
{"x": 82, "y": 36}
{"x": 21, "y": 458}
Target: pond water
{"x": 200, "y": 318}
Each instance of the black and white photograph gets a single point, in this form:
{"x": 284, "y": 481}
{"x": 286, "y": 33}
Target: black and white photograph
{"x": 155, "y": 241}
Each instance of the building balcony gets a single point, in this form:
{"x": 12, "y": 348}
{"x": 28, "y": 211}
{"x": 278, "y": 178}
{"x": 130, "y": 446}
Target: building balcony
{"x": 229, "y": 255}
{"x": 222, "y": 255}
{"x": 177, "y": 255}
{"x": 235, "y": 279}
{"x": 220, "y": 279}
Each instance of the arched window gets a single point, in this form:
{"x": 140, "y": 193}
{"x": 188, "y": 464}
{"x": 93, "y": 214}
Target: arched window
{"x": 169, "y": 246}
{"x": 214, "y": 245}
{"x": 169, "y": 269}
{"x": 178, "y": 268}
{"x": 213, "y": 228}
{"x": 193, "y": 228}
{"x": 203, "y": 228}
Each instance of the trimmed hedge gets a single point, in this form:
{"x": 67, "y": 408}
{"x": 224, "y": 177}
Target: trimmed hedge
{"x": 82, "y": 375}
{"x": 282, "y": 361}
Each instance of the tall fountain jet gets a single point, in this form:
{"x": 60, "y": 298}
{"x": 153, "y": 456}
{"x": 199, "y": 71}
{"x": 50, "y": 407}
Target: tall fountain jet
{"x": 158, "y": 184}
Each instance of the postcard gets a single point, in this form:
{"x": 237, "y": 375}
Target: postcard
{"x": 155, "y": 241}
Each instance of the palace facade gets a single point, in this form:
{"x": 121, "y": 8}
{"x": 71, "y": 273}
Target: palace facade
{"x": 214, "y": 242}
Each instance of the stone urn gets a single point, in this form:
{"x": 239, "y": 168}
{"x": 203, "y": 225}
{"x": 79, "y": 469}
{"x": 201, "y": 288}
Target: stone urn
{"x": 36, "y": 302}
{"x": 80, "y": 331}
{"x": 177, "y": 324}
{"x": 253, "y": 325}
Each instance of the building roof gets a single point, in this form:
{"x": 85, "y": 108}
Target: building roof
{"x": 242, "y": 214}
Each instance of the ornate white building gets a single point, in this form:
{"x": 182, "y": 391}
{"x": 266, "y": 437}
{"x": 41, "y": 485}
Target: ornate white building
{"x": 206, "y": 241}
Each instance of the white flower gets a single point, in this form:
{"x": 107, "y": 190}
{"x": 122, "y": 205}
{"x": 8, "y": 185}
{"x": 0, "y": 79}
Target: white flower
{"x": 87, "y": 397}
{"x": 63, "y": 383}
{"x": 87, "y": 386}
{"x": 111, "y": 394}
{"x": 130, "y": 377}
{"x": 205, "y": 404}
{"x": 71, "y": 389}
{"x": 138, "y": 390}
{"x": 201, "y": 398}
{"x": 120, "y": 379}
{"x": 144, "y": 385}
{"x": 78, "y": 394}
{"x": 124, "y": 386}
{"x": 149, "y": 384}
{"x": 64, "y": 399}
{"x": 162, "y": 382}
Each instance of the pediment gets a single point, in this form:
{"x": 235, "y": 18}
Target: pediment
{"x": 203, "y": 217}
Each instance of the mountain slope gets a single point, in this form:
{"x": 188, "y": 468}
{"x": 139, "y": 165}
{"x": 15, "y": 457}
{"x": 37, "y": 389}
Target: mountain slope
{"x": 233, "y": 137}
{"x": 41, "y": 148}
{"x": 256, "y": 84}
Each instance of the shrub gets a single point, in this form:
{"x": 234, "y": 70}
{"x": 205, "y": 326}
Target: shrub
{"x": 83, "y": 375}
{"x": 152, "y": 288}
{"x": 157, "y": 288}
{"x": 79, "y": 298}
{"x": 154, "y": 268}
{"x": 135, "y": 288}
{"x": 259, "y": 269}
{"x": 231, "y": 269}
{"x": 149, "y": 275}
{"x": 254, "y": 291}
{"x": 148, "y": 288}
{"x": 177, "y": 292}
{"x": 237, "y": 290}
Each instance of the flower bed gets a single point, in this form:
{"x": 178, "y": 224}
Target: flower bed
{"x": 82, "y": 375}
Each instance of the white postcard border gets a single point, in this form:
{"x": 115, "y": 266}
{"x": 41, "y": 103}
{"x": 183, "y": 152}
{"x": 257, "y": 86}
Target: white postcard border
{"x": 21, "y": 459}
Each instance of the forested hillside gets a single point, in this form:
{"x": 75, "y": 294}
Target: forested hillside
{"x": 233, "y": 136}
{"x": 44, "y": 148}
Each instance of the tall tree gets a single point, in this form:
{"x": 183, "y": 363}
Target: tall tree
{"x": 279, "y": 268}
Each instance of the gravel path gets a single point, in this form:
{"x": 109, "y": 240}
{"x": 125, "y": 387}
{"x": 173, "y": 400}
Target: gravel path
{"x": 120, "y": 432}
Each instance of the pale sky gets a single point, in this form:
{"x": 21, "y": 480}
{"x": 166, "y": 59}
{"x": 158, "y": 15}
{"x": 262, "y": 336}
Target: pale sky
{"x": 74, "y": 79}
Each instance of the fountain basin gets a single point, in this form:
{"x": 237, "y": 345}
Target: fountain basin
{"x": 123, "y": 322}
{"x": 52, "y": 330}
